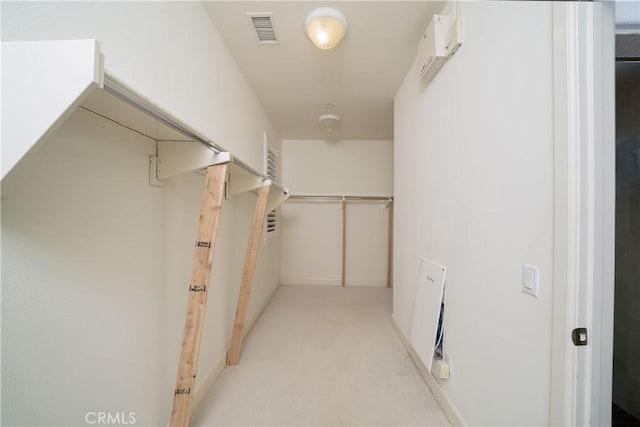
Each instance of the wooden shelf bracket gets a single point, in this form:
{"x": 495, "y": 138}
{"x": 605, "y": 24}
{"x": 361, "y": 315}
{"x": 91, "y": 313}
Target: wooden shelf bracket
{"x": 390, "y": 244}
{"x": 197, "y": 294}
{"x": 343, "y": 207}
{"x": 259, "y": 213}
{"x": 269, "y": 197}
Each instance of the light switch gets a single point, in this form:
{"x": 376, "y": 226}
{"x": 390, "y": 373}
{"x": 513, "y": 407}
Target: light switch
{"x": 530, "y": 279}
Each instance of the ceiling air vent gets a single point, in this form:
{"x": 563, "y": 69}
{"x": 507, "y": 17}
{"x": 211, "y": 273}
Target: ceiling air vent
{"x": 263, "y": 27}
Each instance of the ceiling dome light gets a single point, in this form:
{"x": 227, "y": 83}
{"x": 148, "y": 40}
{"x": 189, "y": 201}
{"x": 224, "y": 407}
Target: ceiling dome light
{"x": 329, "y": 122}
{"x": 325, "y": 27}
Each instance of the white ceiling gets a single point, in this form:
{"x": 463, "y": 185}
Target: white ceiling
{"x": 295, "y": 81}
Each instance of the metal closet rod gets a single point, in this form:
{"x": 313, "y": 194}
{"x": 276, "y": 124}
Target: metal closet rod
{"x": 131, "y": 97}
{"x": 335, "y": 197}
{"x": 121, "y": 91}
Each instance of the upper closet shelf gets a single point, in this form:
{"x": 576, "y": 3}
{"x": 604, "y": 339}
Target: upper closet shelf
{"x": 44, "y": 82}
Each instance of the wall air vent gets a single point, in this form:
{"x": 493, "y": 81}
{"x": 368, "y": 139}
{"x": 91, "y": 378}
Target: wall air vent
{"x": 271, "y": 168}
{"x": 262, "y": 25}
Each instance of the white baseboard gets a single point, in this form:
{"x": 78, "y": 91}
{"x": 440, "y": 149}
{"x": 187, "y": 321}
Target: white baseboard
{"x": 333, "y": 282}
{"x": 252, "y": 321}
{"x": 211, "y": 377}
{"x": 447, "y": 407}
{"x": 311, "y": 282}
{"x": 208, "y": 381}
{"x": 366, "y": 283}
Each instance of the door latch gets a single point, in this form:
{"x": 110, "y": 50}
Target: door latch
{"x": 579, "y": 336}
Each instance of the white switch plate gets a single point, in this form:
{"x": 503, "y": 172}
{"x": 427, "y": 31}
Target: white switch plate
{"x": 530, "y": 279}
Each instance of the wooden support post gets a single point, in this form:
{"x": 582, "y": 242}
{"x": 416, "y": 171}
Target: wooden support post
{"x": 198, "y": 290}
{"x": 390, "y": 245}
{"x": 344, "y": 241}
{"x": 259, "y": 213}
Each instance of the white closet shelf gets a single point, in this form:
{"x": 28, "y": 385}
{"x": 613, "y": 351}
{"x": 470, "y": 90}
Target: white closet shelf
{"x": 44, "y": 82}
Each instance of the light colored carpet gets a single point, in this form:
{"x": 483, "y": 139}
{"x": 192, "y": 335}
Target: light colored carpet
{"x": 322, "y": 356}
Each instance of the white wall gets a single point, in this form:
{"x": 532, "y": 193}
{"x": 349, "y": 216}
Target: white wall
{"x": 338, "y": 167}
{"x": 474, "y": 192}
{"x": 312, "y": 231}
{"x": 95, "y": 262}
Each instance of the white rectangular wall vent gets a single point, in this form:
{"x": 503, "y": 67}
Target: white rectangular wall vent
{"x": 263, "y": 27}
{"x": 271, "y": 171}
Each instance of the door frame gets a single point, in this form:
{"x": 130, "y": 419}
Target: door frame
{"x": 584, "y": 211}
